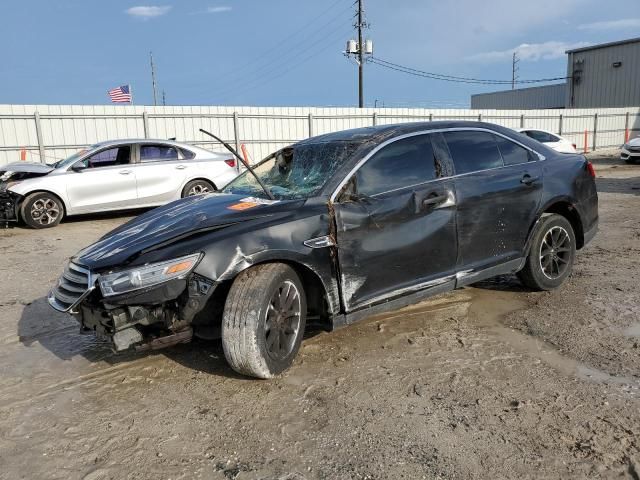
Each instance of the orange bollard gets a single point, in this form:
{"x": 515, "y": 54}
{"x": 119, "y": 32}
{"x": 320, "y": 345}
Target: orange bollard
{"x": 244, "y": 153}
{"x": 23, "y": 154}
{"x": 586, "y": 138}
{"x": 626, "y": 135}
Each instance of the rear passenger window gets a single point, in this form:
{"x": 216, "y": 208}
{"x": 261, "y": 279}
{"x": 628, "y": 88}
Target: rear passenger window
{"x": 473, "y": 151}
{"x": 401, "y": 164}
{"x": 512, "y": 153}
{"x": 154, "y": 153}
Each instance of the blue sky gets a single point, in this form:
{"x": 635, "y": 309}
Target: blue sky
{"x": 288, "y": 52}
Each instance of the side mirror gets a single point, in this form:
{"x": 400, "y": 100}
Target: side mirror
{"x": 78, "y": 167}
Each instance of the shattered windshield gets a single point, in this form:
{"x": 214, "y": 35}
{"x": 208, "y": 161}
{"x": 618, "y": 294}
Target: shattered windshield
{"x": 294, "y": 172}
{"x": 72, "y": 159}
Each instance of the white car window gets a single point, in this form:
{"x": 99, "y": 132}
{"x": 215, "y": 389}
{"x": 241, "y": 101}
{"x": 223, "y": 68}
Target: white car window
{"x": 542, "y": 137}
{"x": 109, "y": 158}
{"x": 157, "y": 153}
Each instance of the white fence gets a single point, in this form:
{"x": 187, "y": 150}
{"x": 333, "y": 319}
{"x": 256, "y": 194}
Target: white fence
{"x": 50, "y": 132}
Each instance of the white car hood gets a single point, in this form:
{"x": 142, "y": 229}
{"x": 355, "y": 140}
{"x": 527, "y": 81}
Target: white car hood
{"x": 26, "y": 167}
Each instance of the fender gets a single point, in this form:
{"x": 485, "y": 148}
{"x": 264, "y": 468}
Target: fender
{"x": 561, "y": 199}
{"x": 312, "y": 262}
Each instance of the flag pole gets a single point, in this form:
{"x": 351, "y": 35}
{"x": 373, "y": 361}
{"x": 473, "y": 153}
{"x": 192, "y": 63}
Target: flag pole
{"x": 131, "y": 93}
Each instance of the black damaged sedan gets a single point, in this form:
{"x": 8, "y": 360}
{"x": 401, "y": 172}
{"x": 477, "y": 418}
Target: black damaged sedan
{"x": 331, "y": 230}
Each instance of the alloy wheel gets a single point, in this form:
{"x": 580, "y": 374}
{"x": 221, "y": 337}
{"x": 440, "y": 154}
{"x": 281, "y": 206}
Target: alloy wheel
{"x": 555, "y": 252}
{"x": 45, "y": 211}
{"x": 198, "y": 189}
{"x": 282, "y": 322}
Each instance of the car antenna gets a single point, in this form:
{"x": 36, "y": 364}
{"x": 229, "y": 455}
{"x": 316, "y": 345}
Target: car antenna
{"x": 243, "y": 161}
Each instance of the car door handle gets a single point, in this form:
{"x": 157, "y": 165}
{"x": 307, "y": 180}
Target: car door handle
{"x": 181, "y": 167}
{"x": 528, "y": 179}
{"x": 435, "y": 200}
{"x": 124, "y": 172}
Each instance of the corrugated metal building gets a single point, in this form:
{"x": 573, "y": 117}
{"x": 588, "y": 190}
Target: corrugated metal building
{"x": 605, "y": 75}
{"x": 548, "y": 96}
{"x": 600, "y": 76}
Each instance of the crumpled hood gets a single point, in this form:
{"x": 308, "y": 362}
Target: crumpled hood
{"x": 26, "y": 167}
{"x": 164, "y": 225}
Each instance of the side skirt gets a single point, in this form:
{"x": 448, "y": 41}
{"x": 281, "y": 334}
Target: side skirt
{"x": 462, "y": 278}
{"x": 342, "y": 320}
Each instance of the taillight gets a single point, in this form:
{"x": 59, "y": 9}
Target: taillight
{"x": 231, "y": 162}
{"x": 590, "y": 169}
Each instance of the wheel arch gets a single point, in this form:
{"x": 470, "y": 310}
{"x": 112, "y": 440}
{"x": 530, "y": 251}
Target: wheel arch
{"x": 320, "y": 292}
{"x": 567, "y": 209}
{"x": 204, "y": 179}
{"x": 43, "y": 190}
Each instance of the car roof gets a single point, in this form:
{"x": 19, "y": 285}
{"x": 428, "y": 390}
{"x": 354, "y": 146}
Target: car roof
{"x": 108, "y": 143}
{"x": 375, "y": 134}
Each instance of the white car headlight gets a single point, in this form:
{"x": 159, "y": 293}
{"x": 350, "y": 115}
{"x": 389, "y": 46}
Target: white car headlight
{"x": 117, "y": 283}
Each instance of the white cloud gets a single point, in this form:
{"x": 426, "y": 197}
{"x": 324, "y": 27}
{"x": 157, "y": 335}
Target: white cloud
{"x": 624, "y": 23}
{"x": 218, "y": 9}
{"x": 148, "y": 11}
{"x": 529, "y": 51}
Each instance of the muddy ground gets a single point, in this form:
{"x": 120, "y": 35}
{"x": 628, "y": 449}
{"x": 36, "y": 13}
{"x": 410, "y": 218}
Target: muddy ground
{"x": 485, "y": 382}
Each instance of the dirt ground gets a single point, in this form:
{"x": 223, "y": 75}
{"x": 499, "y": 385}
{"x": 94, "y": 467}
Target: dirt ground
{"x": 489, "y": 382}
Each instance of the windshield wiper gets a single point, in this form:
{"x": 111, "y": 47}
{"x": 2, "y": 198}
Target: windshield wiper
{"x": 243, "y": 161}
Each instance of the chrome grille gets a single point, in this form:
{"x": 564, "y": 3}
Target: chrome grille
{"x": 74, "y": 284}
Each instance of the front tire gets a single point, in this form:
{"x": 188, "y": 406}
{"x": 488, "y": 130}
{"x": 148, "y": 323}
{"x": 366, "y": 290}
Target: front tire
{"x": 41, "y": 210}
{"x": 264, "y": 319}
{"x": 551, "y": 256}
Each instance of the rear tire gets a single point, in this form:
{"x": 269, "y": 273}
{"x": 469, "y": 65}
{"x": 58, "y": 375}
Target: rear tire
{"x": 197, "y": 187}
{"x": 551, "y": 256}
{"x": 42, "y": 210}
{"x": 264, "y": 319}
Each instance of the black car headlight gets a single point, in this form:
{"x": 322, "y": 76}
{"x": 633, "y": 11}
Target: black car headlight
{"x": 144, "y": 276}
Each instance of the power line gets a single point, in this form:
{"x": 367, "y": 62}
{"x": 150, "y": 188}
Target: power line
{"x": 453, "y": 78}
{"x": 281, "y": 65}
{"x": 264, "y": 60}
{"x": 282, "y": 69}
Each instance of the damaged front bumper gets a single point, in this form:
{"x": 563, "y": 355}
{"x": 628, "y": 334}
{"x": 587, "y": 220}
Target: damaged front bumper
{"x": 149, "y": 319}
{"x": 8, "y": 206}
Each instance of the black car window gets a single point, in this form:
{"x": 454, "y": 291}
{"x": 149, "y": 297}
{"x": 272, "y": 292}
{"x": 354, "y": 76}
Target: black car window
{"x": 403, "y": 163}
{"x": 108, "y": 158}
{"x": 540, "y": 136}
{"x": 512, "y": 153}
{"x": 156, "y": 153}
{"x": 473, "y": 151}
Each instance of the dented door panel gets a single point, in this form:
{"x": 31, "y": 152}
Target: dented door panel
{"x": 394, "y": 241}
{"x": 496, "y": 209}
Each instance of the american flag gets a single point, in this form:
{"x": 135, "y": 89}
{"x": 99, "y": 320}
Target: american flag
{"x": 121, "y": 94}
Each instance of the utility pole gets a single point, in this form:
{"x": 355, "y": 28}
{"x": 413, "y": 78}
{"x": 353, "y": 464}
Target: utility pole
{"x": 359, "y": 48}
{"x": 153, "y": 79}
{"x": 514, "y": 70}
{"x": 360, "y": 57}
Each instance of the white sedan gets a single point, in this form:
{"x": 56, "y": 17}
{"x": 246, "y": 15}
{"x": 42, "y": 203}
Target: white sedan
{"x": 109, "y": 176}
{"x": 551, "y": 140}
{"x": 631, "y": 151}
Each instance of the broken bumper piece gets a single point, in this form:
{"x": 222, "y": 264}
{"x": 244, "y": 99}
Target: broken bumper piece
{"x": 8, "y": 206}
{"x": 165, "y": 318}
